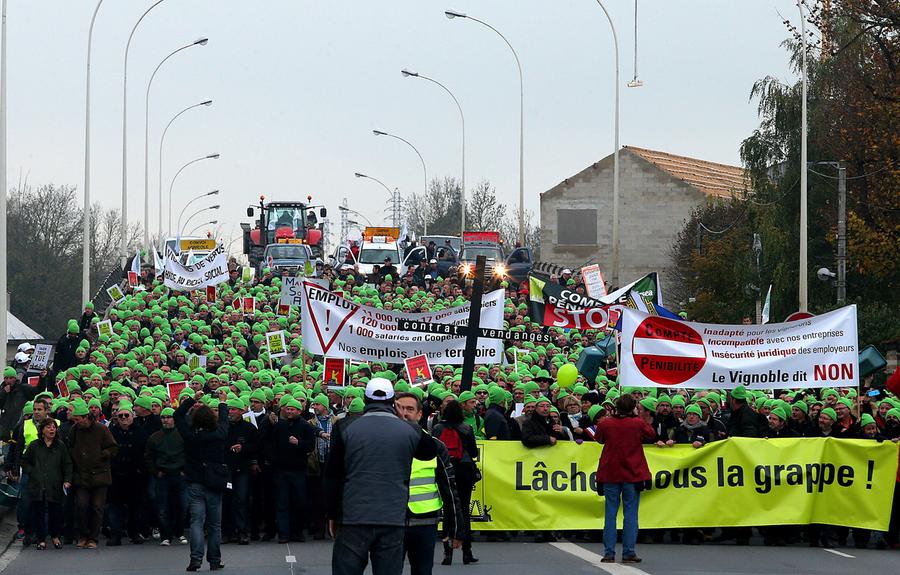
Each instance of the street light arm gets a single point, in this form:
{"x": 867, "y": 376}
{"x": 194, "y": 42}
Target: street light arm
{"x": 408, "y": 143}
{"x": 175, "y": 177}
{"x": 200, "y": 211}
{"x": 214, "y": 192}
{"x": 212, "y": 223}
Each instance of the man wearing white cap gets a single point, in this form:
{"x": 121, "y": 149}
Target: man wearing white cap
{"x": 367, "y": 484}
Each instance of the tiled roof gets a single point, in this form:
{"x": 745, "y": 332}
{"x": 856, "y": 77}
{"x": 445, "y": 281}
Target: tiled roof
{"x": 708, "y": 177}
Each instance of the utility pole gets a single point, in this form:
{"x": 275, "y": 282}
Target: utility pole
{"x": 757, "y": 251}
{"x": 345, "y": 226}
{"x": 842, "y": 236}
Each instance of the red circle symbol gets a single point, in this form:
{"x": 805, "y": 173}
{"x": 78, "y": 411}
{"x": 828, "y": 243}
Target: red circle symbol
{"x": 666, "y": 351}
{"x": 799, "y": 315}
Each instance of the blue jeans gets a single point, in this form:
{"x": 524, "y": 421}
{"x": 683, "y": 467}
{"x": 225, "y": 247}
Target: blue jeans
{"x": 171, "y": 504}
{"x": 290, "y": 489}
{"x": 206, "y": 514}
{"x": 630, "y": 499}
{"x": 418, "y": 542}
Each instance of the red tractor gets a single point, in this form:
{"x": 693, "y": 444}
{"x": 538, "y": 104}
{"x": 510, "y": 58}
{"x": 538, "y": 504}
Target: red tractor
{"x": 282, "y": 221}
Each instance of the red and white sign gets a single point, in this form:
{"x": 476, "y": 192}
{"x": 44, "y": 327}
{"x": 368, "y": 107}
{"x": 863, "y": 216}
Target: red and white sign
{"x": 338, "y": 328}
{"x": 249, "y": 305}
{"x": 174, "y": 389}
{"x": 211, "y": 294}
{"x": 593, "y": 281}
{"x": 819, "y": 351}
{"x": 418, "y": 371}
{"x": 486, "y": 237}
{"x": 132, "y": 279}
{"x": 334, "y": 371}
{"x": 63, "y": 387}
{"x": 666, "y": 351}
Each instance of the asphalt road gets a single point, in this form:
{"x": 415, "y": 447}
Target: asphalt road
{"x": 314, "y": 558}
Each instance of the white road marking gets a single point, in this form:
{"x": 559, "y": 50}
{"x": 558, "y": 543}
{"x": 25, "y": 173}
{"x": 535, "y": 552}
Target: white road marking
{"x": 10, "y": 555}
{"x": 290, "y": 559}
{"x": 838, "y": 553}
{"x": 594, "y": 559}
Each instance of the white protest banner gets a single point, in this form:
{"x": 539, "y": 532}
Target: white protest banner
{"x": 593, "y": 281}
{"x": 41, "y": 356}
{"x": 292, "y": 290}
{"x": 339, "y": 328}
{"x": 211, "y": 270}
{"x": 276, "y": 344}
{"x": 818, "y": 351}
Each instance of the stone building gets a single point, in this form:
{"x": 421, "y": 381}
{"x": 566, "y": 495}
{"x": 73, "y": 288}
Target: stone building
{"x": 657, "y": 192}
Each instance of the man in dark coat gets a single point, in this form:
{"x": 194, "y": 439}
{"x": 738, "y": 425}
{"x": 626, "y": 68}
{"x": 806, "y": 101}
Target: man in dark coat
{"x": 64, "y": 356}
{"x": 496, "y": 426}
{"x": 126, "y": 496}
{"x": 537, "y": 430}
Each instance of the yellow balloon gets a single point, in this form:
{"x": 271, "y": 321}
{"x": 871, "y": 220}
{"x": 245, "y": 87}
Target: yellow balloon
{"x": 567, "y": 375}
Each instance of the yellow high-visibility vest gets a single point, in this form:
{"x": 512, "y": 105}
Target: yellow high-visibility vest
{"x": 424, "y": 496}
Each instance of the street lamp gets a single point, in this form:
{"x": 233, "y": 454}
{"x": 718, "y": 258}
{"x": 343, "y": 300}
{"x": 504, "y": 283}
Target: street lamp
{"x": 424, "y": 169}
{"x": 451, "y": 14}
{"x": 211, "y": 223}
{"x": 86, "y": 221}
{"x": 349, "y": 211}
{"x": 462, "y": 118}
{"x": 125, "y": 133}
{"x": 206, "y": 195}
{"x": 200, "y": 42}
{"x": 159, "y": 183}
{"x": 3, "y": 279}
{"x": 200, "y": 211}
{"x": 802, "y": 296}
{"x": 171, "y": 185}
{"x": 394, "y": 195}
{"x": 615, "y": 225}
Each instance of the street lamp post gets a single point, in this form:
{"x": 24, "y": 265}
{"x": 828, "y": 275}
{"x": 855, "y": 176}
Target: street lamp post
{"x": 348, "y": 210}
{"x": 200, "y": 211}
{"x": 124, "y": 247}
{"x": 210, "y": 223}
{"x": 393, "y": 194}
{"x": 803, "y": 295}
{"x": 86, "y": 218}
{"x": 615, "y": 225}
{"x": 159, "y": 183}
{"x": 200, "y": 42}
{"x": 175, "y": 177}
{"x": 3, "y": 274}
{"x": 453, "y": 14}
{"x": 462, "y": 119}
{"x": 206, "y": 195}
{"x": 421, "y": 159}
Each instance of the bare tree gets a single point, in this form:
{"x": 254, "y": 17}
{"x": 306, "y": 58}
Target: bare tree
{"x": 483, "y": 211}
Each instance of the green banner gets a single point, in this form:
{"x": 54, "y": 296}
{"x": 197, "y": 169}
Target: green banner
{"x": 737, "y": 482}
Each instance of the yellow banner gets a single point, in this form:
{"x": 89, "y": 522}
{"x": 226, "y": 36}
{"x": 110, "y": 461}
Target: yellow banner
{"x": 737, "y": 482}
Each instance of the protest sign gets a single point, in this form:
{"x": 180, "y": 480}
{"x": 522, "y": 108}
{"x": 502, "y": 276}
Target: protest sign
{"x": 105, "y": 328}
{"x": 211, "y": 294}
{"x": 593, "y": 281}
{"x": 819, "y": 351}
{"x": 115, "y": 294}
{"x": 40, "y": 359}
{"x": 559, "y": 306}
{"x": 34, "y": 380}
{"x": 196, "y": 361}
{"x": 291, "y": 291}
{"x": 132, "y": 279}
{"x": 247, "y": 273}
{"x": 418, "y": 371}
{"x": 334, "y": 371}
{"x": 337, "y": 327}
{"x": 211, "y": 270}
{"x": 738, "y": 482}
{"x": 248, "y": 305}
{"x": 62, "y": 386}
{"x": 284, "y": 310}
{"x": 276, "y": 344}
{"x": 174, "y": 389}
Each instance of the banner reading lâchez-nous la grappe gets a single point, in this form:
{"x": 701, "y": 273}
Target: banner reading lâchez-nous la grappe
{"x": 820, "y": 351}
{"x": 336, "y": 327}
{"x": 737, "y": 482}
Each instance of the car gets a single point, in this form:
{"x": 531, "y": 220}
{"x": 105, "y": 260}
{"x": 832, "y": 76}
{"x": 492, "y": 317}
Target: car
{"x": 287, "y": 258}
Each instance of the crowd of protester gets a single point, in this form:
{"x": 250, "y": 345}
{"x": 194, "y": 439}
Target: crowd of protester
{"x": 99, "y": 449}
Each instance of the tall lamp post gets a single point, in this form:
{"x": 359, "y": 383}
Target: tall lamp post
{"x": 803, "y": 295}
{"x": 200, "y": 42}
{"x": 462, "y": 119}
{"x": 159, "y": 183}
{"x": 175, "y": 177}
{"x": 210, "y": 223}
{"x": 124, "y": 246}
{"x": 615, "y": 225}
{"x": 349, "y": 211}
{"x": 3, "y": 285}
{"x": 451, "y": 14}
{"x": 86, "y": 219}
{"x": 392, "y": 193}
{"x": 200, "y": 211}
{"x": 421, "y": 159}
{"x": 206, "y": 195}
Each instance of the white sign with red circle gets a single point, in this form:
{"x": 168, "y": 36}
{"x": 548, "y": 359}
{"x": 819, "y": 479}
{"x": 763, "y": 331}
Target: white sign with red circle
{"x": 667, "y": 352}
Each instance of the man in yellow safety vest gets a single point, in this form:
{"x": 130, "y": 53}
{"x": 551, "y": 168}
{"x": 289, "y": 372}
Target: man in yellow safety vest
{"x": 432, "y": 489}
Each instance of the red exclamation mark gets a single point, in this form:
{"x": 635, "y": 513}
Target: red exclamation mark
{"x": 869, "y": 474}
{"x": 327, "y": 318}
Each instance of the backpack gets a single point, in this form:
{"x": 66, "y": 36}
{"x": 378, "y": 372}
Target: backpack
{"x": 450, "y": 437}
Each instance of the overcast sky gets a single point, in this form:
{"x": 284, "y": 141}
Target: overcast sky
{"x": 299, "y": 85}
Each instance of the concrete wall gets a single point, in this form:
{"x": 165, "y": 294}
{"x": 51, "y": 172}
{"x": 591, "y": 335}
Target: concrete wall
{"x": 653, "y": 208}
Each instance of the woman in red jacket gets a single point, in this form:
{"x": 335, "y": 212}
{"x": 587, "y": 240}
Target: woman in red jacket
{"x": 622, "y": 470}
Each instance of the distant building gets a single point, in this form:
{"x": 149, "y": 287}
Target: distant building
{"x": 16, "y": 333}
{"x": 657, "y": 192}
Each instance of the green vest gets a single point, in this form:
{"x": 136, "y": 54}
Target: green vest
{"x": 424, "y": 496}
{"x": 29, "y": 432}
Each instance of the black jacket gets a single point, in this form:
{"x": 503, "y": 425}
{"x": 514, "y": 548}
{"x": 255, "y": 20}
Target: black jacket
{"x": 64, "y": 356}
{"x": 290, "y": 457}
{"x": 367, "y": 471}
{"x": 48, "y": 468}
{"x": 12, "y": 402}
{"x": 129, "y": 459}
{"x": 537, "y": 431}
{"x": 496, "y": 426}
{"x": 242, "y": 433}
{"x": 743, "y": 423}
{"x": 682, "y": 434}
{"x": 201, "y": 447}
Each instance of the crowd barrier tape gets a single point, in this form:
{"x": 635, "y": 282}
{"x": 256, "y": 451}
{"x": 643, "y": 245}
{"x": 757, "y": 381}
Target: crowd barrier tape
{"x": 737, "y": 482}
